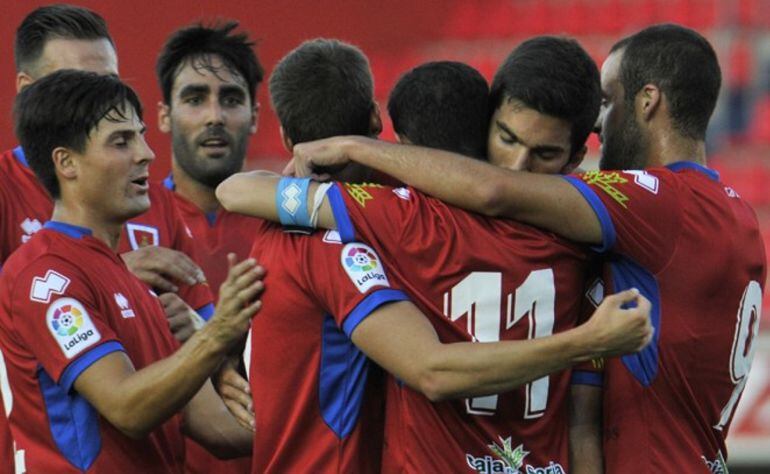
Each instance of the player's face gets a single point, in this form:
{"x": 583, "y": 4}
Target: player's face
{"x": 86, "y": 55}
{"x": 113, "y": 170}
{"x": 623, "y": 144}
{"x": 210, "y": 119}
{"x": 523, "y": 139}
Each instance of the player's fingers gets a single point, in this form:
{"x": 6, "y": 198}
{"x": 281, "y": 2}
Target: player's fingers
{"x": 179, "y": 266}
{"x": 622, "y": 297}
{"x": 250, "y": 311}
{"x": 289, "y": 169}
{"x": 232, "y": 378}
{"x": 237, "y": 395}
{"x": 248, "y": 279}
{"x": 170, "y": 300}
{"x": 157, "y": 281}
{"x": 244, "y": 417}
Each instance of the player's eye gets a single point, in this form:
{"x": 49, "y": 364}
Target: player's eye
{"x": 232, "y": 101}
{"x": 193, "y": 100}
{"x": 508, "y": 139}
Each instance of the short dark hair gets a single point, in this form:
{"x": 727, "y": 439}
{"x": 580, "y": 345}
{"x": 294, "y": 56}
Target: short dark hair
{"x": 197, "y": 42}
{"x": 555, "y": 76}
{"x": 682, "y": 64}
{"x": 55, "y": 21}
{"x": 442, "y": 105}
{"x": 321, "y": 89}
{"x": 60, "y": 110}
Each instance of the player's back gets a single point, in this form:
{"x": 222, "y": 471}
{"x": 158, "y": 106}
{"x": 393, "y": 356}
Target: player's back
{"x": 79, "y": 303}
{"x": 316, "y": 401}
{"x": 24, "y": 203}
{"x": 477, "y": 279}
{"x": 669, "y": 407}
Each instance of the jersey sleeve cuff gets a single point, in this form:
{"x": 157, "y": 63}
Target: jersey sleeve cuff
{"x": 341, "y": 215}
{"x": 608, "y": 228}
{"x": 368, "y": 305}
{"x": 580, "y": 377}
{"x": 206, "y": 312}
{"x": 73, "y": 371}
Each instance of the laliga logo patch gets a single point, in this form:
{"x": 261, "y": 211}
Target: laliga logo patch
{"x": 142, "y": 235}
{"x": 363, "y": 267}
{"x": 71, "y": 326}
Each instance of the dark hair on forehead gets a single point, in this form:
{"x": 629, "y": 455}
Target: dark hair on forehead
{"x": 61, "y": 109}
{"x": 682, "y": 64}
{"x": 51, "y": 22}
{"x": 554, "y": 76}
{"x": 321, "y": 89}
{"x": 442, "y": 105}
{"x": 195, "y": 44}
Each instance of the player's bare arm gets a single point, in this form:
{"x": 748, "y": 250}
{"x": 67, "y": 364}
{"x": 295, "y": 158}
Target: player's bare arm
{"x": 545, "y": 201}
{"x": 163, "y": 268}
{"x": 136, "y": 402}
{"x": 585, "y": 429}
{"x": 403, "y": 342}
{"x": 208, "y": 421}
{"x": 254, "y": 193}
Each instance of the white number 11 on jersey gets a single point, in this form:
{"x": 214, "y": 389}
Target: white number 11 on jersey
{"x": 479, "y": 297}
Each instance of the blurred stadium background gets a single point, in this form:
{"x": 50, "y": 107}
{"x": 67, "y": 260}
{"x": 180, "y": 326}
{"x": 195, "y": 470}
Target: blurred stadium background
{"x": 399, "y": 34}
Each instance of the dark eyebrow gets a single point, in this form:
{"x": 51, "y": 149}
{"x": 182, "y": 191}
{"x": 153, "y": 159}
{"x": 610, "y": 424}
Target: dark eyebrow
{"x": 193, "y": 89}
{"x": 126, "y": 133}
{"x": 537, "y": 148}
{"x": 229, "y": 89}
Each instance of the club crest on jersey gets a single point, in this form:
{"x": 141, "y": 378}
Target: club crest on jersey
{"x": 125, "y": 308}
{"x": 363, "y": 266}
{"x": 142, "y": 235}
{"x": 359, "y": 192}
{"x": 508, "y": 460}
{"x": 71, "y": 326}
{"x": 29, "y": 226}
{"x": 607, "y": 181}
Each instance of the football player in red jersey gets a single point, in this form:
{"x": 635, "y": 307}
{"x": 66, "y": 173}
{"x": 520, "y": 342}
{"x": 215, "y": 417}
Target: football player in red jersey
{"x": 209, "y": 77}
{"x": 431, "y": 437}
{"x": 97, "y": 380}
{"x": 64, "y": 36}
{"x": 659, "y": 88}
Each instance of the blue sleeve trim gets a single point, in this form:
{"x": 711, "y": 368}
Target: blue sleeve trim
{"x": 206, "y": 312}
{"x": 73, "y": 371}
{"x": 341, "y": 215}
{"x": 608, "y": 228}
{"x": 369, "y": 304}
{"x": 579, "y": 377}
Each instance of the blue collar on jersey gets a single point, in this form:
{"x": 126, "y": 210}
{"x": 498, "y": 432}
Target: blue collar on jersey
{"x": 18, "y": 152}
{"x": 681, "y": 165}
{"x": 76, "y": 232}
{"x": 169, "y": 183}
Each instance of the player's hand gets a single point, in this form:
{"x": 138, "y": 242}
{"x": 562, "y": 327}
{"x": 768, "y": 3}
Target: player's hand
{"x": 318, "y": 159}
{"x": 181, "y": 318}
{"x": 162, "y": 268}
{"x": 615, "y": 330}
{"x": 238, "y": 301}
{"x": 235, "y": 393}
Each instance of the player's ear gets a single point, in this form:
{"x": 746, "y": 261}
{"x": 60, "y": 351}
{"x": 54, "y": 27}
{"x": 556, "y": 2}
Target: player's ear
{"x": 254, "y": 118}
{"x": 286, "y": 140}
{"x": 164, "y": 117}
{"x": 64, "y": 163}
{"x": 574, "y": 161}
{"x": 375, "y": 122}
{"x": 402, "y": 139}
{"x": 648, "y": 100}
{"x": 23, "y": 80}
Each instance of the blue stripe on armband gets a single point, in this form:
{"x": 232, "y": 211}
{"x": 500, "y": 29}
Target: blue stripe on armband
{"x": 291, "y": 201}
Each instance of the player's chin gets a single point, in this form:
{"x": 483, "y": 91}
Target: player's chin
{"x": 136, "y": 206}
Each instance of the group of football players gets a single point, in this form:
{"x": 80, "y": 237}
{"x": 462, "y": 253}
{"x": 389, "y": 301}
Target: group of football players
{"x": 465, "y": 300}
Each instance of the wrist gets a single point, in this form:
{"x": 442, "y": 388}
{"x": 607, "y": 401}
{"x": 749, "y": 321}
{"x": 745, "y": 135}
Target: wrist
{"x": 580, "y": 345}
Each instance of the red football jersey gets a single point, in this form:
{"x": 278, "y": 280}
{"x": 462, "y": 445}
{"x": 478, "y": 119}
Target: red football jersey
{"x": 215, "y": 236}
{"x": 316, "y": 407}
{"x": 66, "y": 300}
{"x": 693, "y": 247}
{"x": 478, "y": 279}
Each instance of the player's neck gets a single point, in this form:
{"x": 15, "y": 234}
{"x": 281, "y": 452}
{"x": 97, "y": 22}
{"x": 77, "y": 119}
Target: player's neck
{"x": 199, "y": 194}
{"x": 101, "y": 229}
{"x": 671, "y": 148}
